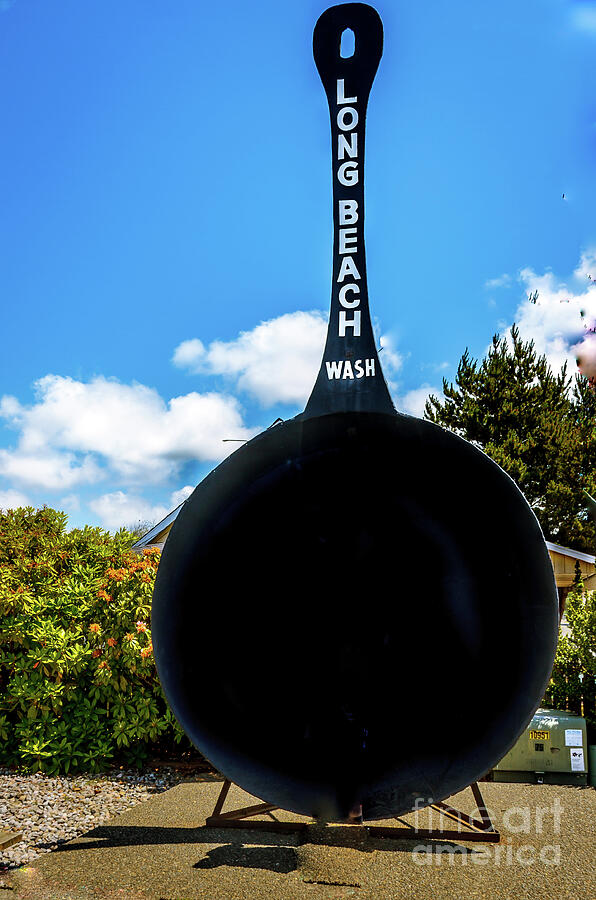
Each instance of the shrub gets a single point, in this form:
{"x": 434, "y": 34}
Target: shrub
{"x": 78, "y": 684}
{"x": 573, "y": 680}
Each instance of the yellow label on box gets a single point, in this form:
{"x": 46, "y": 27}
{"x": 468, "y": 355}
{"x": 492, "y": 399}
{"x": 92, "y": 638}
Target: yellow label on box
{"x": 540, "y": 735}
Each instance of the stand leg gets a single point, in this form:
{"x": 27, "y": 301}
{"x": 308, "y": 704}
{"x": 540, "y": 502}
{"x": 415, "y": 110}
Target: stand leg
{"x": 239, "y": 818}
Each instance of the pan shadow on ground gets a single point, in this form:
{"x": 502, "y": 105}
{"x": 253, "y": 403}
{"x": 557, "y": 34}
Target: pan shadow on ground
{"x": 276, "y": 859}
{"x": 252, "y": 849}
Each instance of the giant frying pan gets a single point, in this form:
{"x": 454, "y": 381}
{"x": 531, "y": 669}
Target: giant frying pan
{"x": 357, "y": 607}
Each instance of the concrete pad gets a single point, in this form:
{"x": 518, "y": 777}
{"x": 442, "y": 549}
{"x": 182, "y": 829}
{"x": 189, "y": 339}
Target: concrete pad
{"x": 162, "y": 850}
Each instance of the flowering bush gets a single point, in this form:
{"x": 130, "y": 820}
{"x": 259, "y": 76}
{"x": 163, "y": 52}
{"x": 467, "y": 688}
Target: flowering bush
{"x": 78, "y": 684}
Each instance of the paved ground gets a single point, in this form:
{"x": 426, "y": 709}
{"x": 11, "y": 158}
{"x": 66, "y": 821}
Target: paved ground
{"x": 161, "y": 850}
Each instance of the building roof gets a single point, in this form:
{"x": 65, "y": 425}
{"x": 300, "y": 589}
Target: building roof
{"x": 147, "y": 539}
{"x": 574, "y": 554}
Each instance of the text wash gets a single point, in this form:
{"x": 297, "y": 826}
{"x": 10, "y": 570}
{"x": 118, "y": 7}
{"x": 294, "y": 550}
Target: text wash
{"x": 342, "y": 368}
{"x": 347, "y": 175}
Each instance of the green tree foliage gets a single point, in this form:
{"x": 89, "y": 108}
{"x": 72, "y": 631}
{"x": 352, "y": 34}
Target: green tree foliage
{"x": 573, "y": 680}
{"x": 538, "y": 426}
{"x": 78, "y": 683}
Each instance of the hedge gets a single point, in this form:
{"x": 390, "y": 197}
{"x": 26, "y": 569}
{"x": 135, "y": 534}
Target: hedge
{"x": 78, "y": 684}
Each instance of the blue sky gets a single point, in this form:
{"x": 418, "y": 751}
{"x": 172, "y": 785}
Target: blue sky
{"x": 166, "y": 222}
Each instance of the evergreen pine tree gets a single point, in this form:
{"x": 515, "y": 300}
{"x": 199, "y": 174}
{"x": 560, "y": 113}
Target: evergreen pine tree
{"x": 537, "y": 425}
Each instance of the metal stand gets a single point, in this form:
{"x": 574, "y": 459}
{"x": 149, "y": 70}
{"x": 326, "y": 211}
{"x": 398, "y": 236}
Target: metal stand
{"x": 478, "y": 829}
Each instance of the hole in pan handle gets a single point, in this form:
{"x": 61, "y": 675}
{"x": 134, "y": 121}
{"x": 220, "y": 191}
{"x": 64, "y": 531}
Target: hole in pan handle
{"x": 348, "y": 43}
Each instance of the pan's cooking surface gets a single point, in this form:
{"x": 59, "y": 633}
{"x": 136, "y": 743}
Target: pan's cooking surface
{"x": 389, "y": 628}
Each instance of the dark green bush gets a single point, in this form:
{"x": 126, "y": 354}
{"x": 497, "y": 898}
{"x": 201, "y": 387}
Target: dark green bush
{"x": 573, "y": 681}
{"x": 78, "y": 685}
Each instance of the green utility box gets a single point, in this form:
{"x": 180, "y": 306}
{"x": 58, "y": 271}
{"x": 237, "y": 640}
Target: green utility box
{"x": 553, "y": 749}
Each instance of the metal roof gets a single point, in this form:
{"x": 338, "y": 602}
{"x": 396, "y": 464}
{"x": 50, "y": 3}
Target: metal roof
{"x": 147, "y": 539}
{"x": 575, "y": 554}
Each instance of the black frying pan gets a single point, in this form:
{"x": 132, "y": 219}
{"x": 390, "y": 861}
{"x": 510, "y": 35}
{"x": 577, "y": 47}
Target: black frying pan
{"x": 356, "y": 607}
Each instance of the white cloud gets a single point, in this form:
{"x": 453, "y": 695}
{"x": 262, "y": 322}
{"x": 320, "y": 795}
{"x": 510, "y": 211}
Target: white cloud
{"x": 436, "y": 367}
{"x": 51, "y": 469}
{"x": 79, "y": 432}
{"x": 12, "y": 500}
{"x": 555, "y": 322}
{"x": 70, "y": 503}
{"x": 276, "y": 362}
{"x": 391, "y": 359}
{"x": 583, "y": 16}
{"x": 9, "y": 407}
{"x": 190, "y": 355}
{"x": 180, "y": 496}
{"x": 587, "y": 266}
{"x": 501, "y": 281}
{"x": 119, "y": 509}
{"x": 413, "y": 401}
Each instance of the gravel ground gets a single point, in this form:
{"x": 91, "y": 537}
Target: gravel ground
{"x": 49, "y": 811}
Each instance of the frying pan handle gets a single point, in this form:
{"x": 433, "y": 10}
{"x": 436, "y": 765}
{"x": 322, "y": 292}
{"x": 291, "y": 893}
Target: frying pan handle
{"x": 350, "y": 378}
{"x": 360, "y": 68}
